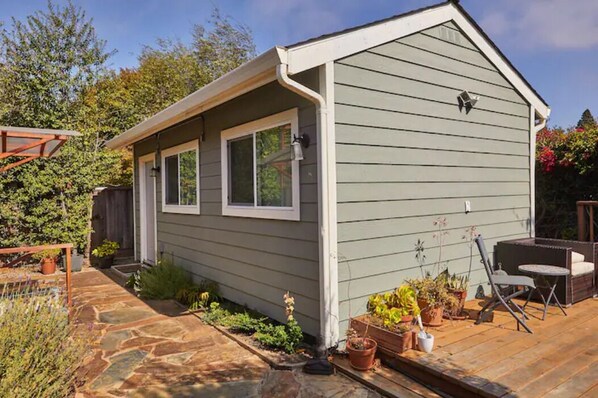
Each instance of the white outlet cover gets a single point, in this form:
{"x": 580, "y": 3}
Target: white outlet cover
{"x": 467, "y": 206}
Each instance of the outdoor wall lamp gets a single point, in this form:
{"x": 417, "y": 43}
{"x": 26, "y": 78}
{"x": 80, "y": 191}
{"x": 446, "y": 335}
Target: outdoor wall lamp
{"x": 299, "y": 142}
{"x": 467, "y": 101}
{"x": 154, "y": 171}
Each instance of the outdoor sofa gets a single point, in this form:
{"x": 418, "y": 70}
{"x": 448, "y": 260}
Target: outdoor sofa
{"x": 580, "y": 258}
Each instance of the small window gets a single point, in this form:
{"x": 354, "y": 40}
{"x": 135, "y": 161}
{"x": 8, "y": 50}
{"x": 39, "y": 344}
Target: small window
{"x": 259, "y": 178}
{"x": 180, "y": 179}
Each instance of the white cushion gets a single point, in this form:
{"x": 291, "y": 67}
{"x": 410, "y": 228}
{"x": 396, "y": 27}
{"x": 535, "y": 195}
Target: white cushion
{"x": 581, "y": 268}
{"x": 577, "y": 257}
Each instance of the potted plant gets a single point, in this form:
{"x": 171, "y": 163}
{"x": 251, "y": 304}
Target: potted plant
{"x": 47, "y": 259}
{"x": 432, "y": 298}
{"x": 105, "y": 253}
{"x": 362, "y": 350}
{"x": 389, "y": 319}
{"x": 457, "y": 286}
{"x": 77, "y": 260}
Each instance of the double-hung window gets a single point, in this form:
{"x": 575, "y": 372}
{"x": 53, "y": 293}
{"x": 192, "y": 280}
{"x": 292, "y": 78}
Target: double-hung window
{"x": 259, "y": 178}
{"x": 180, "y": 178}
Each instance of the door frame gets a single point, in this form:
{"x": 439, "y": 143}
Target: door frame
{"x": 143, "y": 208}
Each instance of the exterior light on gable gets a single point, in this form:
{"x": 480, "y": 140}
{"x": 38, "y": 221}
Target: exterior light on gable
{"x": 298, "y": 144}
{"x": 467, "y": 101}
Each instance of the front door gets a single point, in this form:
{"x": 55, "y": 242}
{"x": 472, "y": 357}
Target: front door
{"x": 147, "y": 210}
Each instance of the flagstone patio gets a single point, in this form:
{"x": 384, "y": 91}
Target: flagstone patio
{"x": 156, "y": 349}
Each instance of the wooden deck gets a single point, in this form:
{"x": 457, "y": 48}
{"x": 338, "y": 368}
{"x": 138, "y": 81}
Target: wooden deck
{"x": 560, "y": 359}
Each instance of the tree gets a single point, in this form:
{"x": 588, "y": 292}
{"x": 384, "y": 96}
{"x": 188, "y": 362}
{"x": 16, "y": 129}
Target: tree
{"x": 48, "y": 62}
{"x": 587, "y": 121}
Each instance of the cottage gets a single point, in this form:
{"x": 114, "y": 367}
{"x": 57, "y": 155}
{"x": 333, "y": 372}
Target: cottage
{"x": 316, "y": 167}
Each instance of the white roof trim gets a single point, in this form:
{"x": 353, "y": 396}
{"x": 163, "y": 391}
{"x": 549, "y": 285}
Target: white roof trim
{"x": 319, "y": 52}
{"x": 253, "y": 74}
{"x": 261, "y": 70}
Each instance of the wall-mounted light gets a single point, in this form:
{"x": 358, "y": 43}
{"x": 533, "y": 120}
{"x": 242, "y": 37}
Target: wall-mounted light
{"x": 297, "y": 146}
{"x": 467, "y": 101}
{"x": 154, "y": 171}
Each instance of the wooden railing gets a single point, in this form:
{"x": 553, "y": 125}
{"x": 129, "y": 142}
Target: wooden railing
{"x": 29, "y": 250}
{"x": 586, "y": 224}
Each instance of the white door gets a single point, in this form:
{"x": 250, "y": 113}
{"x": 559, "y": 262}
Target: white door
{"x": 147, "y": 209}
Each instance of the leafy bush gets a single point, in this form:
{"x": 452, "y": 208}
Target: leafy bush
{"x": 281, "y": 337}
{"x": 40, "y": 350}
{"x": 199, "y": 296}
{"x": 161, "y": 281}
{"x": 107, "y": 248}
{"x": 566, "y": 171}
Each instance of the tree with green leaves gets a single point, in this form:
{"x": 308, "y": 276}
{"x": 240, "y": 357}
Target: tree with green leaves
{"x": 48, "y": 62}
{"x": 587, "y": 121}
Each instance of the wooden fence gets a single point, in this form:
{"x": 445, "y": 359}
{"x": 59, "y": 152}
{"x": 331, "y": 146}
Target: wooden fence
{"x": 586, "y": 223}
{"x": 112, "y": 218}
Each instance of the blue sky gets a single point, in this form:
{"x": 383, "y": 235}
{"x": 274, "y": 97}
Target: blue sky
{"x": 554, "y": 43}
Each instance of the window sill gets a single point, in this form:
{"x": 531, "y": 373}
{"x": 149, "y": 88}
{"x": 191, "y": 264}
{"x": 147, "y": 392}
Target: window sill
{"x": 180, "y": 209}
{"x": 271, "y": 213}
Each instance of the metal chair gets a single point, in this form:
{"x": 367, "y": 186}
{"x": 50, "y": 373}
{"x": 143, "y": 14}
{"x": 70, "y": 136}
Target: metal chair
{"x": 503, "y": 291}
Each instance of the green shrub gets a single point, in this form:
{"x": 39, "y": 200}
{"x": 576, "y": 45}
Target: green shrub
{"x": 279, "y": 337}
{"x": 161, "y": 281}
{"x": 107, "y": 248}
{"x": 40, "y": 351}
{"x": 199, "y": 296}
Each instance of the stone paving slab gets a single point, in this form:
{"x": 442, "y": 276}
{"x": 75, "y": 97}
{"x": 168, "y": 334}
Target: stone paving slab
{"x": 154, "y": 349}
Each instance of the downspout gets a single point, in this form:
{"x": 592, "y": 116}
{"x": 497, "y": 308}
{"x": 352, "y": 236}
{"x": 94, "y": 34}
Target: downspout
{"x": 534, "y": 129}
{"x": 327, "y": 331}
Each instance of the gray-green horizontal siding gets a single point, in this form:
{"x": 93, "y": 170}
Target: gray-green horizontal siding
{"x": 407, "y": 155}
{"x": 255, "y": 261}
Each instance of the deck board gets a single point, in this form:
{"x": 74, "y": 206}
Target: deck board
{"x": 560, "y": 359}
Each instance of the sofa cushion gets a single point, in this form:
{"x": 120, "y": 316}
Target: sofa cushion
{"x": 581, "y": 268}
{"x": 577, "y": 257}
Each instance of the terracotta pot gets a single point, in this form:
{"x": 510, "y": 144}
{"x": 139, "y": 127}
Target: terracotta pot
{"x": 362, "y": 359}
{"x": 407, "y": 319}
{"x": 457, "y": 312}
{"x": 431, "y": 316}
{"x": 384, "y": 338}
{"x": 48, "y": 266}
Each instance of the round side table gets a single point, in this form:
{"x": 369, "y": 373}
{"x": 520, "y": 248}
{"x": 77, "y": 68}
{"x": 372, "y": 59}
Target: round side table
{"x": 546, "y": 276}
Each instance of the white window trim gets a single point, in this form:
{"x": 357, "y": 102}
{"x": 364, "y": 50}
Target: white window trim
{"x": 180, "y": 209}
{"x": 277, "y": 213}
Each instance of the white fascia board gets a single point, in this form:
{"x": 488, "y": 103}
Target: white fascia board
{"x": 320, "y": 52}
{"x": 247, "y": 77}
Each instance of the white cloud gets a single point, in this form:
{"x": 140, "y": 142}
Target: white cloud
{"x": 558, "y": 24}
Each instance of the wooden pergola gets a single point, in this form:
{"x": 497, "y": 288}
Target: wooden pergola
{"x": 26, "y": 144}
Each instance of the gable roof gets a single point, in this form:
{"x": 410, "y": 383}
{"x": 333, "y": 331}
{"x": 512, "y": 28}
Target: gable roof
{"x": 318, "y": 51}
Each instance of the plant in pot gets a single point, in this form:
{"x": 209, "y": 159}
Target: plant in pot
{"x": 432, "y": 298}
{"x": 105, "y": 253}
{"x": 362, "y": 350}
{"x": 457, "y": 286}
{"x": 47, "y": 259}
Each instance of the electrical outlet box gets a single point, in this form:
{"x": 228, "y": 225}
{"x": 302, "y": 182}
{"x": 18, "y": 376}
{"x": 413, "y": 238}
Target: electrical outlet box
{"x": 467, "y": 206}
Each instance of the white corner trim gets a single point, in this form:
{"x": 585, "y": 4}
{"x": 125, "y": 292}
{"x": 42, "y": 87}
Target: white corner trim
{"x": 135, "y": 209}
{"x": 328, "y": 139}
{"x": 292, "y": 213}
{"x": 180, "y": 209}
{"x": 143, "y": 205}
{"x": 532, "y": 170}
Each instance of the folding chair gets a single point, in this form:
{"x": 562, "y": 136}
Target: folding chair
{"x": 504, "y": 289}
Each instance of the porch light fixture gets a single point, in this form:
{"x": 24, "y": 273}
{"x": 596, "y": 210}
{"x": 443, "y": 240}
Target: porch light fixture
{"x": 467, "y": 101}
{"x": 299, "y": 142}
{"x": 154, "y": 171}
